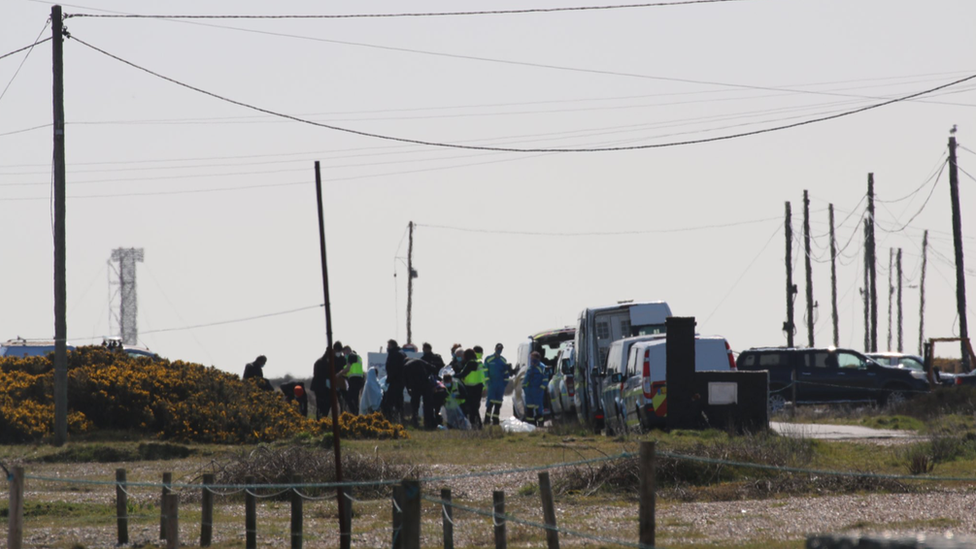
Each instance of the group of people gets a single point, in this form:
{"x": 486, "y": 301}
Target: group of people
{"x": 458, "y": 386}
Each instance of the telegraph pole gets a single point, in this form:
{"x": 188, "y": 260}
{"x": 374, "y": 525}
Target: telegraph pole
{"x": 921, "y": 294}
{"x": 957, "y": 241}
{"x": 872, "y": 265}
{"x": 891, "y": 291}
{"x": 865, "y": 294}
{"x": 809, "y": 271}
{"x": 833, "y": 278}
{"x": 410, "y": 277}
{"x": 788, "y": 326}
{"x": 60, "y": 245}
{"x": 900, "y": 317}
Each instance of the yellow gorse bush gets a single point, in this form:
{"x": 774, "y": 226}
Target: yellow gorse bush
{"x": 177, "y": 401}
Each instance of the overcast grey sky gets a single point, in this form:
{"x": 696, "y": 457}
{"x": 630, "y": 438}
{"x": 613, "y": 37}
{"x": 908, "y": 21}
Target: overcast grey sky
{"x": 222, "y": 198}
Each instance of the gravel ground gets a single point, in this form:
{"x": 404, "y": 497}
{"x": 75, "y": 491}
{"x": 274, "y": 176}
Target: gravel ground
{"x": 721, "y": 523}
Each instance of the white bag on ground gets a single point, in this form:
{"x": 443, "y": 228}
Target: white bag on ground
{"x": 513, "y": 425}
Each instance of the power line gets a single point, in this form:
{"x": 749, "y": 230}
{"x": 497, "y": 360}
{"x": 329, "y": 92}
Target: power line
{"x": 236, "y": 320}
{"x": 15, "y": 52}
{"x": 404, "y": 14}
{"x": 909, "y": 222}
{"x": 939, "y": 167}
{"x": 22, "y": 61}
{"x": 529, "y": 150}
{"x": 595, "y": 233}
{"x": 741, "y": 276}
{"x": 24, "y": 130}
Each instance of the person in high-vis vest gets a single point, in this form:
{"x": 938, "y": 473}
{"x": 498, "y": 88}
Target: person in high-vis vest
{"x": 454, "y": 404}
{"x": 355, "y": 377}
{"x": 472, "y": 378}
{"x": 534, "y": 389}
{"x": 497, "y": 372}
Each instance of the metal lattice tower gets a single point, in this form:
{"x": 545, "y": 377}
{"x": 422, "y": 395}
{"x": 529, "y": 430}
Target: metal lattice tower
{"x": 127, "y": 257}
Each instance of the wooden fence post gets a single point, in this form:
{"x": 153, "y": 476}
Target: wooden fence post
{"x": 167, "y": 480}
{"x": 548, "y": 510}
{"x": 171, "y": 505}
{"x": 448, "y": 513}
{"x": 250, "y": 515}
{"x": 498, "y": 497}
{"x": 793, "y": 386}
{"x": 646, "y": 508}
{"x": 345, "y": 529}
{"x": 397, "y": 517}
{"x": 15, "y": 531}
{"x": 206, "y": 511}
{"x": 296, "y": 513}
{"x": 121, "y": 506}
{"x": 411, "y": 514}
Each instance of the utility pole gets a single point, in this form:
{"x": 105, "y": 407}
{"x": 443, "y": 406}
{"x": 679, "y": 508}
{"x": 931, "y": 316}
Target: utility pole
{"x": 833, "y": 278}
{"x": 865, "y": 294}
{"x": 788, "y": 326}
{"x": 410, "y": 276}
{"x": 344, "y": 536}
{"x": 921, "y": 294}
{"x": 900, "y": 317}
{"x": 957, "y": 241}
{"x": 809, "y": 269}
{"x": 872, "y": 265}
{"x": 60, "y": 245}
{"x": 891, "y": 291}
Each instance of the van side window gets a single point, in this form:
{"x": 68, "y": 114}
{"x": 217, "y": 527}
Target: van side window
{"x": 603, "y": 330}
{"x": 747, "y": 360}
{"x": 772, "y": 359}
{"x": 815, "y": 360}
{"x": 625, "y": 328}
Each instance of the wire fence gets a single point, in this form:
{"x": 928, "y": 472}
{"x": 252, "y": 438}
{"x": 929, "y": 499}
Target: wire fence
{"x": 140, "y": 504}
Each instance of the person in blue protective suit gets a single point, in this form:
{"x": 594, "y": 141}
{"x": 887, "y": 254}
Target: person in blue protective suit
{"x": 497, "y": 372}
{"x": 534, "y": 389}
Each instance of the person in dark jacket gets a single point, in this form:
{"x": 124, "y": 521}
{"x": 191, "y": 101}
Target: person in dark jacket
{"x": 472, "y": 387}
{"x": 295, "y": 392}
{"x": 256, "y": 370}
{"x": 416, "y": 376}
{"x": 432, "y": 358}
{"x": 457, "y": 361}
{"x": 392, "y": 404}
{"x": 321, "y": 385}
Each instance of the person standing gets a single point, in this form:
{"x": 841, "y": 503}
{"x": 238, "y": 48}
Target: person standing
{"x": 372, "y": 394}
{"x": 393, "y": 398}
{"x": 355, "y": 379}
{"x": 416, "y": 378}
{"x": 432, "y": 358}
{"x": 470, "y": 376}
{"x": 457, "y": 360}
{"x": 533, "y": 388}
{"x": 497, "y": 371}
{"x": 321, "y": 384}
{"x": 256, "y": 370}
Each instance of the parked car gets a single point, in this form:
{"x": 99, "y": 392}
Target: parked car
{"x": 913, "y": 363}
{"x": 20, "y": 347}
{"x": 596, "y": 329}
{"x": 548, "y": 344}
{"x": 635, "y": 395}
{"x": 562, "y": 386}
{"x": 829, "y": 375}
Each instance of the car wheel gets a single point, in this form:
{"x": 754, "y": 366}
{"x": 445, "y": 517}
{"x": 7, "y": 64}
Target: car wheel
{"x": 895, "y": 397}
{"x": 777, "y": 402}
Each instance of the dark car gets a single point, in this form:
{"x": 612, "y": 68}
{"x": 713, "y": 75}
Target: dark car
{"x": 829, "y": 375}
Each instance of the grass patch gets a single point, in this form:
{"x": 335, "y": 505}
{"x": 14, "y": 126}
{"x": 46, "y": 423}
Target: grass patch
{"x": 114, "y": 453}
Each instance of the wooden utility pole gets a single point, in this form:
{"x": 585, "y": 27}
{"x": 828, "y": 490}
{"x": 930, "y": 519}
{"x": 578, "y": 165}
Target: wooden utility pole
{"x": 865, "y": 294}
{"x": 809, "y": 268}
{"x": 410, "y": 285}
{"x": 891, "y": 291}
{"x": 921, "y": 294}
{"x": 60, "y": 246}
{"x": 900, "y": 316}
{"x": 788, "y": 326}
{"x": 872, "y": 265}
{"x": 340, "y": 494}
{"x": 833, "y": 278}
{"x": 957, "y": 241}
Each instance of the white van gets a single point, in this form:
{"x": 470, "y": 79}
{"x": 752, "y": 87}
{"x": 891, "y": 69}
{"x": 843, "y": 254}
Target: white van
{"x": 548, "y": 344}
{"x": 29, "y": 347}
{"x": 636, "y": 396}
{"x": 596, "y": 330}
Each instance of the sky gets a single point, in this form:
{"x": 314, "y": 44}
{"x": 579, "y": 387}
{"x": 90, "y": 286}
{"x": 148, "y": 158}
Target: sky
{"x": 221, "y": 196}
